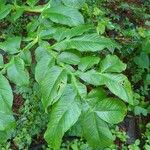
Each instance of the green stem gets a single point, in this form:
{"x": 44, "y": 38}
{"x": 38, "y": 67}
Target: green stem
{"x": 36, "y": 9}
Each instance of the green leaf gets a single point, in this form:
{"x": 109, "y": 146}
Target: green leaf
{"x": 146, "y": 46}
{"x": 111, "y": 63}
{"x": 42, "y": 67}
{"x": 65, "y": 15}
{"x": 7, "y": 125}
{"x": 87, "y": 42}
{"x": 11, "y": 45}
{"x": 74, "y": 3}
{"x": 96, "y": 131}
{"x": 111, "y": 110}
{"x": 79, "y": 87}
{"x": 6, "y": 95}
{"x": 69, "y": 58}
{"x": 92, "y": 77}
{"x": 44, "y": 62}
{"x": 118, "y": 84}
{"x": 16, "y": 14}
{"x": 7, "y": 122}
{"x": 53, "y": 84}
{"x": 88, "y": 62}
{"x": 17, "y": 73}
{"x": 95, "y": 95}
{"x": 62, "y": 32}
{"x": 64, "y": 115}
{"x": 147, "y": 79}
{"x": 4, "y": 9}
{"x": 26, "y": 56}
{"x": 142, "y": 61}
{"x": 41, "y": 51}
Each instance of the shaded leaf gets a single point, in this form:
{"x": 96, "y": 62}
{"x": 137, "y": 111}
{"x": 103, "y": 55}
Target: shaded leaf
{"x": 142, "y": 61}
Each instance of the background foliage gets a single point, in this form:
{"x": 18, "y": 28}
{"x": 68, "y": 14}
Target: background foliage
{"x": 74, "y": 75}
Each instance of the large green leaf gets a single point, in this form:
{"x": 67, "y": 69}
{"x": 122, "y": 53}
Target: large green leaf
{"x": 120, "y": 86}
{"x": 96, "y": 131}
{"x": 65, "y": 15}
{"x": 53, "y": 84}
{"x": 87, "y": 42}
{"x": 92, "y": 77}
{"x": 7, "y": 122}
{"x": 61, "y": 33}
{"x": 42, "y": 67}
{"x": 111, "y": 110}
{"x": 63, "y": 116}
{"x": 11, "y": 45}
{"x": 44, "y": 62}
{"x": 17, "y": 73}
{"x": 74, "y": 3}
{"x": 88, "y": 62}
{"x": 69, "y": 58}
{"x": 111, "y": 63}
{"x": 96, "y": 95}
{"x": 116, "y": 83}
